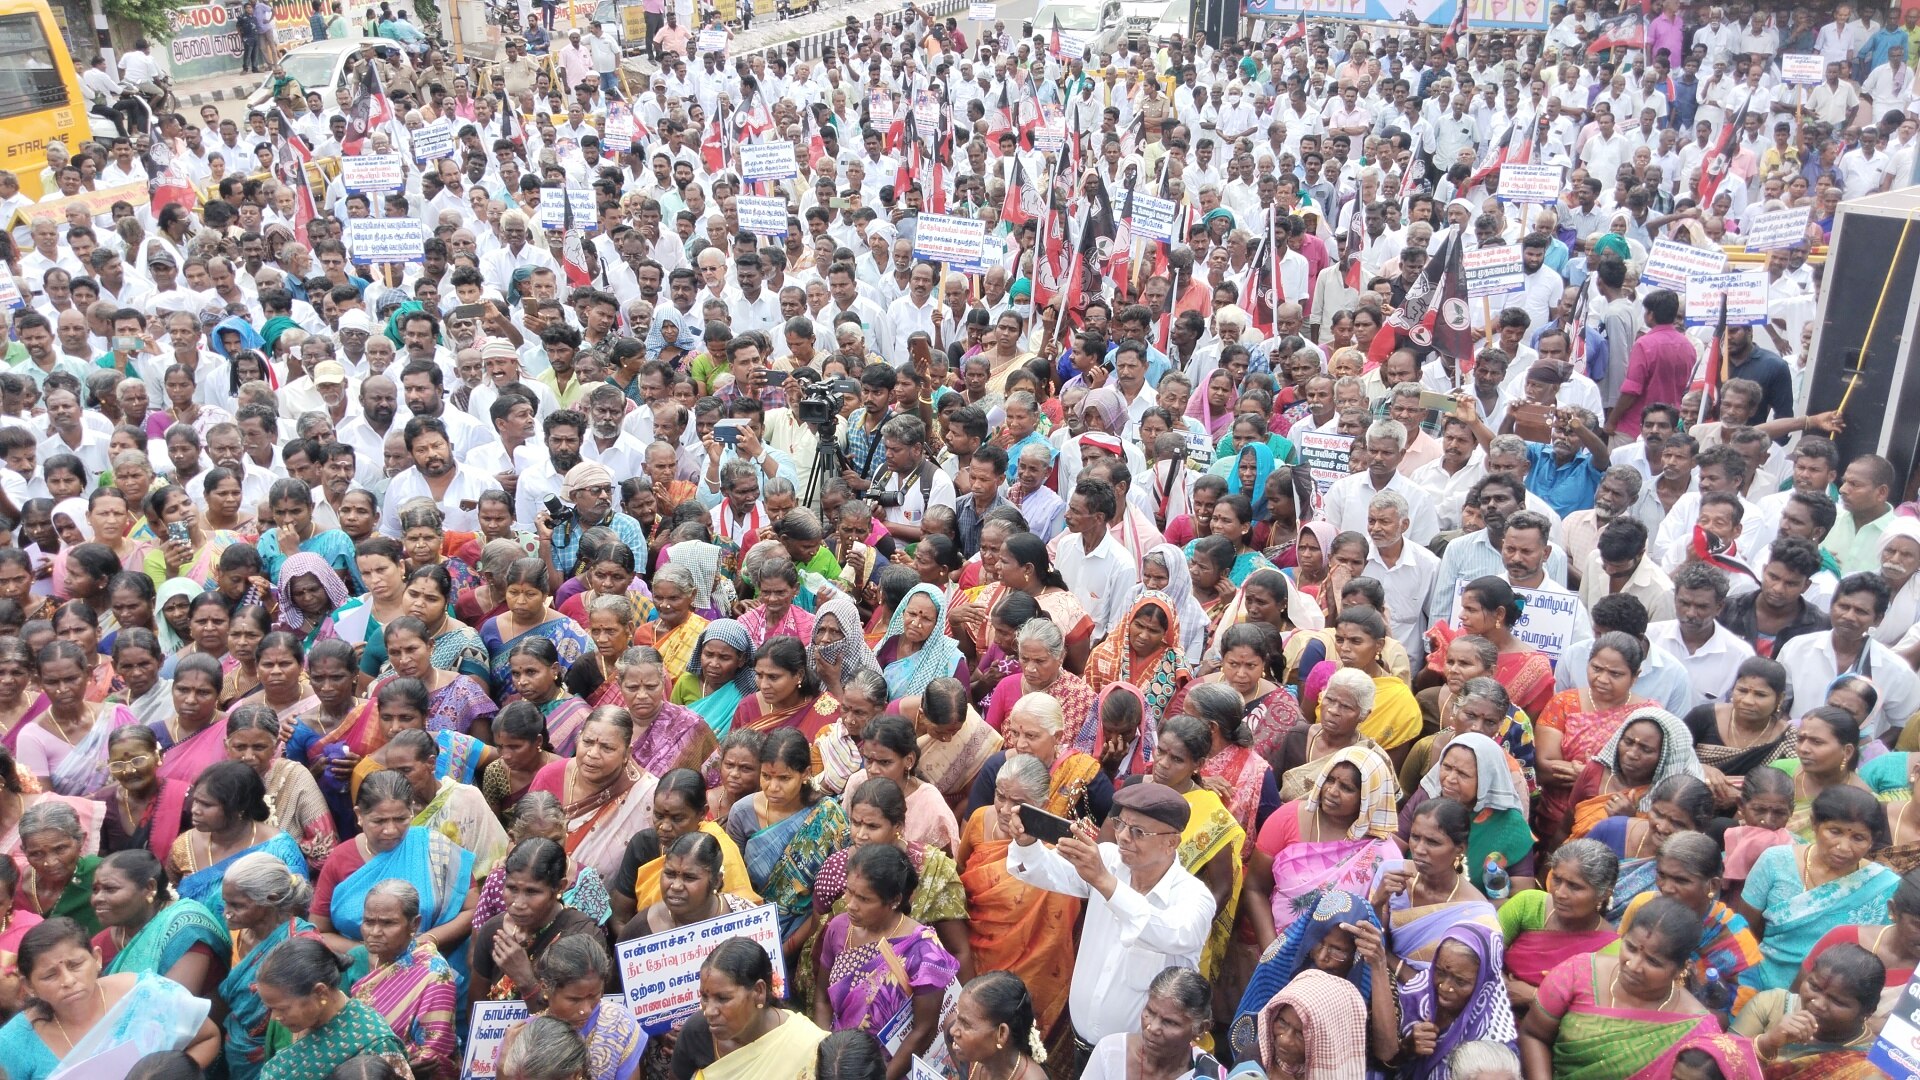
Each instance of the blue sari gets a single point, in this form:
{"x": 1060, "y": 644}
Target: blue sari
{"x": 204, "y": 885}
{"x": 459, "y": 756}
{"x": 246, "y": 1023}
{"x": 568, "y": 639}
{"x": 439, "y": 870}
{"x": 784, "y": 858}
{"x": 154, "y": 1016}
{"x": 615, "y": 1043}
{"x": 168, "y": 936}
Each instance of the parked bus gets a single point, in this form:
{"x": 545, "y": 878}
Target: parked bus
{"x": 40, "y": 96}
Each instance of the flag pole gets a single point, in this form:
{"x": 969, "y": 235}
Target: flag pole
{"x": 1874, "y": 322}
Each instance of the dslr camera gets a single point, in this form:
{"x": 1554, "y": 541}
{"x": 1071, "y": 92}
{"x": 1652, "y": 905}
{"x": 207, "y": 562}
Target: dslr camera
{"x": 820, "y": 405}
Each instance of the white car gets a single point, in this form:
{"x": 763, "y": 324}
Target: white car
{"x": 319, "y": 65}
{"x": 1099, "y": 26}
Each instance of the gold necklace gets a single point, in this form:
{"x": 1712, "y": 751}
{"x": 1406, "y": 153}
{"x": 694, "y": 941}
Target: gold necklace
{"x": 98, "y": 989}
{"x": 1662, "y": 1007}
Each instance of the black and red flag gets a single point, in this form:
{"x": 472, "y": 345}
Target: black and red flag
{"x": 1714, "y": 166}
{"x": 370, "y": 109}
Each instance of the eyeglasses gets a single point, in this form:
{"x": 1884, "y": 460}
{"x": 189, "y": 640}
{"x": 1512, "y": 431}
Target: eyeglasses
{"x": 1124, "y": 831}
{"x": 596, "y": 489}
{"x": 132, "y": 764}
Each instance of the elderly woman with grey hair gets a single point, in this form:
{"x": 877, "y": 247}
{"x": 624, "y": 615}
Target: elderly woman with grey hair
{"x": 410, "y": 985}
{"x": 266, "y": 904}
{"x": 60, "y": 864}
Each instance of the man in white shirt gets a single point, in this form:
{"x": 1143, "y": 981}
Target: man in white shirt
{"x": 1406, "y": 571}
{"x": 1098, "y": 571}
{"x": 140, "y": 69}
{"x": 1350, "y": 496}
{"x": 1145, "y": 912}
{"x": 1813, "y": 661}
{"x": 435, "y": 475}
{"x": 917, "y": 481}
{"x": 1711, "y": 653}
{"x": 1862, "y": 169}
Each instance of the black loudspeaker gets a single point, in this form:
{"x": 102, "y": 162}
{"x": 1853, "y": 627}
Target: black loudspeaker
{"x": 1869, "y": 260}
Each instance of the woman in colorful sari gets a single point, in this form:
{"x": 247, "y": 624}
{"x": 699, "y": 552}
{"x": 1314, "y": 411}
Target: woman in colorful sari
{"x": 1897, "y": 946}
{"x": 1345, "y": 702}
{"x": 787, "y": 830}
{"x": 1315, "y": 1029}
{"x": 719, "y": 675}
{"x": 529, "y": 618}
{"x": 540, "y": 814}
{"x": 521, "y": 734}
{"x": 266, "y": 903}
{"x": 1459, "y": 1000}
{"x": 955, "y": 742}
{"x": 281, "y": 679}
{"x": 66, "y": 747}
{"x": 1334, "y": 839}
{"x": 1144, "y": 650}
{"x": 741, "y": 1032}
{"x": 1026, "y": 567}
{"x": 1360, "y": 640}
{"x": 143, "y": 808}
{"x": 1164, "y": 570}
{"x": 1649, "y": 747}
{"x": 1748, "y": 730}
{"x": 1826, "y": 756}
{"x": 456, "y": 701}
{"x": 139, "y": 661}
{"x": 59, "y": 875}
{"x": 315, "y": 603}
{"x": 1318, "y": 940}
{"x": 391, "y": 846}
{"x": 666, "y": 736}
{"x": 889, "y": 748}
{"x": 504, "y": 963}
{"x": 679, "y": 809}
{"x": 1036, "y": 726}
{"x": 1242, "y": 778}
{"x": 338, "y": 730}
{"x": 408, "y": 983}
{"x": 1578, "y": 724}
{"x": 837, "y": 648}
{"x": 679, "y": 627}
{"x": 1233, "y": 521}
{"x": 1431, "y": 893}
{"x": 21, "y": 701}
{"x": 1607, "y": 1019}
{"x": 609, "y": 621}
{"x": 1689, "y": 868}
{"x": 230, "y": 821}
{"x": 539, "y": 678}
{"x": 456, "y": 647}
{"x": 196, "y": 560}
{"x": 1674, "y": 805}
{"x": 300, "y": 984}
{"x": 78, "y": 1013}
{"x": 1211, "y": 844}
{"x": 785, "y": 694}
{"x": 576, "y": 973}
{"x": 777, "y": 611}
{"x": 194, "y": 737}
{"x": 78, "y": 622}
{"x": 402, "y": 704}
{"x": 1796, "y": 893}
{"x": 1045, "y": 660}
{"x": 1825, "y": 1027}
{"x": 1469, "y": 657}
{"x": 882, "y": 970}
{"x": 607, "y": 797}
{"x": 1489, "y": 609}
{"x": 147, "y": 930}
{"x": 1474, "y": 771}
{"x": 253, "y": 738}
{"x": 917, "y": 649}
{"x": 1568, "y": 918}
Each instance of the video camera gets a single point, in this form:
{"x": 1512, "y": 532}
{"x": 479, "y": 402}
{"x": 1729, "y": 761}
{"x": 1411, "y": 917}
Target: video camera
{"x": 820, "y": 404}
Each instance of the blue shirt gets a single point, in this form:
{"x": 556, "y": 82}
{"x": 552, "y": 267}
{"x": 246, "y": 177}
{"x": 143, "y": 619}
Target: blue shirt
{"x": 1662, "y": 678}
{"x": 330, "y": 544}
{"x": 1567, "y": 487}
{"x": 566, "y": 542}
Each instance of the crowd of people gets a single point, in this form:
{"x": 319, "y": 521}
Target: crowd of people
{"x": 1122, "y": 656}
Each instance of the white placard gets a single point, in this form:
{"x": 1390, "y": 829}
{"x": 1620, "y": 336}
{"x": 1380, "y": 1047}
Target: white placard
{"x": 768, "y": 161}
{"x": 1153, "y": 217}
{"x": 1531, "y": 183}
{"x": 926, "y": 113}
{"x": 713, "y": 40}
{"x": 1327, "y": 457}
{"x": 1548, "y": 617}
{"x": 1493, "y": 271}
{"x": 553, "y": 210}
{"x": 386, "y": 240}
{"x": 1779, "y": 229}
{"x": 1897, "y": 1050}
{"x": 920, "y": 1070}
{"x": 618, "y": 135}
{"x": 433, "y": 141}
{"x": 1803, "y": 69}
{"x": 488, "y": 1029}
{"x": 1199, "y": 450}
{"x": 982, "y": 12}
{"x": 1050, "y": 135}
{"x": 946, "y": 239}
{"x": 1671, "y": 263}
{"x": 661, "y": 972}
{"x": 372, "y": 173}
{"x": 9, "y": 292}
{"x": 880, "y": 111}
{"x": 761, "y": 215}
{"x": 1745, "y": 292}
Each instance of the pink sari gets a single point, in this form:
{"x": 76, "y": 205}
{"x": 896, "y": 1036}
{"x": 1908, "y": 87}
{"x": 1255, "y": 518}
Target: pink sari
{"x": 1305, "y": 870}
{"x": 11, "y": 740}
{"x": 187, "y": 759}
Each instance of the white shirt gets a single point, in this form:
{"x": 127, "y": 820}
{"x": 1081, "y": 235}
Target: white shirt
{"x": 912, "y": 506}
{"x": 1101, "y": 579}
{"x": 459, "y": 504}
{"x": 1127, "y": 940}
{"x": 1713, "y": 668}
{"x": 1812, "y": 666}
{"x": 1449, "y": 490}
{"x": 1408, "y": 584}
{"x": 1347, "y": 499}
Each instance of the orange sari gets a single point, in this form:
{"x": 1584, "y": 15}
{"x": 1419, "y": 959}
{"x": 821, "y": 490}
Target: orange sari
{"x": 1017, "y": 927}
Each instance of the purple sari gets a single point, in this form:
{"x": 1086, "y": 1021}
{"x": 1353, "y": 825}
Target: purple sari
{"x": 872, "y": 986}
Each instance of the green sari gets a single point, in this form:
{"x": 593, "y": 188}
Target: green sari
{"x": 356, "y": 1029}
{"x": 75, "y": 901}
{"x": 168, "y": 936}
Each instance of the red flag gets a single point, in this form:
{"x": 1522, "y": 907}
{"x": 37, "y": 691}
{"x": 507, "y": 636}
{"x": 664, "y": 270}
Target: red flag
{"x": 370, "y": 110}
{"x": 174, "y": 188}
{"x": 1356, "y": 241}
{"x": 1452, "y": 322}
{"x": 1456, "y": 30}
{"x": 1624, "y": 31}
{"x": 713, "y": 148}
{"x": 1298, "y": 31}
{"x": 1715, "y": 373}
{"x": 1053, "y": 43}
{"x": 1022, "y": 203}
{"x": 1714, "y": 166}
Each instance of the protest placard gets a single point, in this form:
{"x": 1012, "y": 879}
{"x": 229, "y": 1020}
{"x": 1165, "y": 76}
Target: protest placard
{"x": 372, "y": 173}
{"x": 768, "y": 161}
{"x": 1050, "y": 135}
{"x": 714, "y": 40}
{"x": 1493, "y": 271}
{"x": 661, "y": 972}
{"x": 9, "y": 292}
{"x": 386, "y": 240}
{"x": 1897, "y": 1050}
{"x": 97, "y": 203}
{"x": 982, "y": 12}
{"x": 1531, "y": 183}
{"x": 1803, "y": 69}
{"x": 762, "y": 215}
{"x": 553, "y": 211}
{"x": 618, "y": 136}
{"x": 1779, "y": 229}
{"x": 1199, "y": 450}
{"x": 487, "y": 1030}
{"x": 880, "y": 112}
{"x": 1548, "y": 618}
{"x": 926, "y": 113}
{"x": 946, "y": 239}
{"x": 1326, "y": 456}
{"x": 1153, "y": 217}
{"x": 1745, "y": 293}
{"x": 433, "y": 141}
{"x": 1671, "y": 263}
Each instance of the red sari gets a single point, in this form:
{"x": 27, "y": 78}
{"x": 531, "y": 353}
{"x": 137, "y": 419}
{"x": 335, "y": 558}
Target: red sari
{"x": 1247, "y": 775}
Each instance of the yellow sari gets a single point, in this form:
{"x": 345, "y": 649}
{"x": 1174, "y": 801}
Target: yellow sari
{"x": 1395, "y": 719}
{"x": 733, "y": 872}
{"x": 1212, "y": 831}
{"x": 785, "y": 1053}
{"x": 676, "y": 646}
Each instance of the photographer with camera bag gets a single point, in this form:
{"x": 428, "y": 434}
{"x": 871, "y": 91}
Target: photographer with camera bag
{"x": 910, "y": 483}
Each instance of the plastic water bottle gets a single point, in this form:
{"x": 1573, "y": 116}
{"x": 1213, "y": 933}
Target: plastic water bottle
{"x": 1497, "y": 882}
{"x": 1715, "y": 994}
